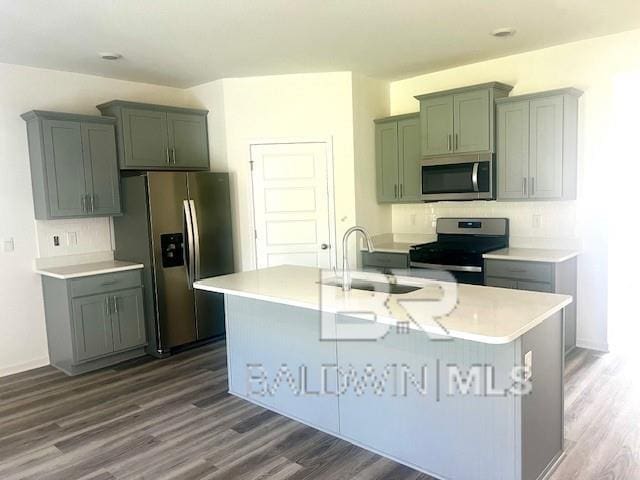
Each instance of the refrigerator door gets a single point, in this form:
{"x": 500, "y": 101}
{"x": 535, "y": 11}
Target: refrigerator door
{"x": 168, "y": 224}
{"x": 213, "y": 245}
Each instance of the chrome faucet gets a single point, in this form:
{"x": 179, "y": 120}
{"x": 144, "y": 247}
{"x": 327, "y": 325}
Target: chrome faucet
{"x": 346, "y": 274}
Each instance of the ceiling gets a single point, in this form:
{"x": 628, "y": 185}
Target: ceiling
{"x": 188, "y": 42}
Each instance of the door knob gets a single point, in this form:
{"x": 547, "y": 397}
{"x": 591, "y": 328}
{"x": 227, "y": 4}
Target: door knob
{"x": 324, "y": 246}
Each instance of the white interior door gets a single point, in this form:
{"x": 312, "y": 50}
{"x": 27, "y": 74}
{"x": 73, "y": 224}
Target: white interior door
{"x": 292, "y": 204}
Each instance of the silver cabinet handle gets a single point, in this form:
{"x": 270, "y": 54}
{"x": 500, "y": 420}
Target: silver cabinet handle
{"x": 106, "y": 306}
{"x": 83, "y": 203}
{"x": 168, "y": 158}
{"x": 173, "y": 155}
{"x": 524, "y": 187}
{"x": 449, "y": 142}
{"x": 455, "y": 146}
{"x": 115, "y": 304}
{"x": 401, "y": 190}
{"x": 91, "y": 203}
{"x": 533, "y": 189}
{"x": 395, "y": 191}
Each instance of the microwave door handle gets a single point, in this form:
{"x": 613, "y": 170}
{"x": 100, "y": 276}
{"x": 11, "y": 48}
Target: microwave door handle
{"x": 474, "y": 176}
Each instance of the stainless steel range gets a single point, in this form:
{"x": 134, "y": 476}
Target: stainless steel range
{"x": 459, "y": 248}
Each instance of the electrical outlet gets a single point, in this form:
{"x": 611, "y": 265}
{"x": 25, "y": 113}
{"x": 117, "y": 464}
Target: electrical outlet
{"x": 72, "y": 239}
{"x": 536, "y": 220}
{"x": 56, "y": 241}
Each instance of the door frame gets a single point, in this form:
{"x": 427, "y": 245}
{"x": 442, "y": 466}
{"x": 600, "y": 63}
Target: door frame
{"x": 328, "y": 141}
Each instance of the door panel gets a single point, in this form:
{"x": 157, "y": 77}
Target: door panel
{"x": 101, "y": 164}
{"x": 145, "y": 138}
{"x": 546, "y": 130}
{"x": 93, "y": 333}
{"x": 65, "y": 168}
{"x": 409, "y": 159}
{"x": 175, "y": 301}
{"x": 436, "y": 123}
{"x": 513, "y": 150}
{"x": 471, "y": 122}
{"x": 128, "y": 319}
{"x": 291, "y": 204}
{"x": 188, "y": 139}
{"x": 387, "y": 161}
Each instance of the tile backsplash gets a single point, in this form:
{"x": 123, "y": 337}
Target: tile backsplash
{"x": 76, "y": 236}
{"x": 531, "y": 224}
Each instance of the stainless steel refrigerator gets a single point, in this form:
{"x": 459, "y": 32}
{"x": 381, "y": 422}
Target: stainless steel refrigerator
{"x": 178, "y": 225}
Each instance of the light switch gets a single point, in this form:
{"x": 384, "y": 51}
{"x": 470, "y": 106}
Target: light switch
{"x": 8, "y": 245}
{"x": 528, "y": 363}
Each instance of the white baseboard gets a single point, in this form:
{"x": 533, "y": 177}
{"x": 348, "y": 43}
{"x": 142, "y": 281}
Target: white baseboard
{"x": 592, "y": 345}
{"x": 22, "y": 367}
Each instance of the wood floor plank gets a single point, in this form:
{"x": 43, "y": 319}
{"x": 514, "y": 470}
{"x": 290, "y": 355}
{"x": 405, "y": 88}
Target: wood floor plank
{"x": 174, "y": 419}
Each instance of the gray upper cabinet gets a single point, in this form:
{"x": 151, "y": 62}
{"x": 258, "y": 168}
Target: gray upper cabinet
{"x": 157, "y": 137}
{"x": 537, "y": 145}
{"x": 74, "y": 165}
{"x": 460, "y": 121}
{"x": 398, "y": 158}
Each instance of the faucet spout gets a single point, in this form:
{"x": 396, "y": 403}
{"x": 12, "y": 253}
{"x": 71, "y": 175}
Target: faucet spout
{"x": 346, "y": 275}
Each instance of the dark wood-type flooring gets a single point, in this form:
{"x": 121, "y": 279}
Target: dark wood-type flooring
{"x": 172, "y": 419}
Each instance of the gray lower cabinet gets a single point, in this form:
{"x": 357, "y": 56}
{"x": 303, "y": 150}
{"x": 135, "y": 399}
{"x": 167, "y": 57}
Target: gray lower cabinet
{"x": 74, "y": 165}
{"x": 94, "y": 322}
{"x": 459, "y": 121}
{"x": 158, "y": 137}
{"x": 398, "y": 159}
{"x": 538, "y": 277}
{"x": 537, "y": 145}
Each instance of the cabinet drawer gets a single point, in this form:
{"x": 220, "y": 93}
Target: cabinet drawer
{"x": 535, "y": 286}
{"x": 380, "y": 259}
{"x": 533, "y": 271}
{"x": 107, "y": 282}
{"x": 501, "y": 282}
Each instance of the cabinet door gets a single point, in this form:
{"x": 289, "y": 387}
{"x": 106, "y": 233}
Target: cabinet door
{"x": 145, "y": 138}
{"x": 387, "y": 161}
{"x": 93, "y": 335}
{"x": 65, "y": 168}
{"x": 436, "y": 123}
{"x": 409, "y": 159}
{"x": 128, "y": 319}
{"x": 471, "y": 115}
{"x": 545, "y": 163}
{"x": 513, "y": 150}
{"x": 101, "y": 167}
{"x": 188, "y": 140}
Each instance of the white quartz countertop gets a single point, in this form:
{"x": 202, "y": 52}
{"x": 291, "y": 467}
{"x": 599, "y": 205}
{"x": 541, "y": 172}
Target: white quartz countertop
{"x": 88, "y": 269}
{"x": 477, "y": 313}
{"x": 532, "y": 255}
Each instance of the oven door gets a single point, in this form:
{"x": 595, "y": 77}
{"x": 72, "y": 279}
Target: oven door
{"x": 468, "y": 177}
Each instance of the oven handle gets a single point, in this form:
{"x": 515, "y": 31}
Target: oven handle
{"x": 474, "y": 176}
{"x": 452, "y": 268}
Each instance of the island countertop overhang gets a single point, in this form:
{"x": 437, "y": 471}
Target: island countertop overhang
{"x": 482, "y": 314}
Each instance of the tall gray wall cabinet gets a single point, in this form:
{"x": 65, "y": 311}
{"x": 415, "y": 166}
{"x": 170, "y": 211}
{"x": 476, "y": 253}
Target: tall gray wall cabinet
{"x": 398, "y": 158}
{"x": 537, "y": 138}
{"x": 74, "y": 165}
{"x": 158, "y": 137}
{"x": 95, "y": 321}
{"x": 461, "y": 120}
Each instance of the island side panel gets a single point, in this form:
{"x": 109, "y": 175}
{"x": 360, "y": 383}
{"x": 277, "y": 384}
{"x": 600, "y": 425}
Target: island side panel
{"x": 262, "y": 337}
{"x": 445, "y": 435}
{"x": 543, "y": 409}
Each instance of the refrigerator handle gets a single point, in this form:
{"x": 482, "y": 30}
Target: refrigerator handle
{"x": 196, "y": 241}
{"x": 188, "y": 241}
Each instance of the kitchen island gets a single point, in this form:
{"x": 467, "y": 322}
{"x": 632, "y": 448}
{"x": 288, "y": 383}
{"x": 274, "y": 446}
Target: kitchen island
{"x": 433, "y": 378}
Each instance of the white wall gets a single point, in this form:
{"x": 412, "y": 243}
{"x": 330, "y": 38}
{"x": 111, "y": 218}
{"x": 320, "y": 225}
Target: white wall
{"x": 304, "y": 106}
{"x": 593, "y": 66}
{"x": 370, "y": 101}
{"x": 22, "y": 329}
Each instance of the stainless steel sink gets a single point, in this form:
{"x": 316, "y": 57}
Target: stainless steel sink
{"x": 372, "y": 286}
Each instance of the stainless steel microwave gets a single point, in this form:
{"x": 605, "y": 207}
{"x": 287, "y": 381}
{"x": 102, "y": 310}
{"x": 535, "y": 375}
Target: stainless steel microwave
{"x": 460, "y": 177}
